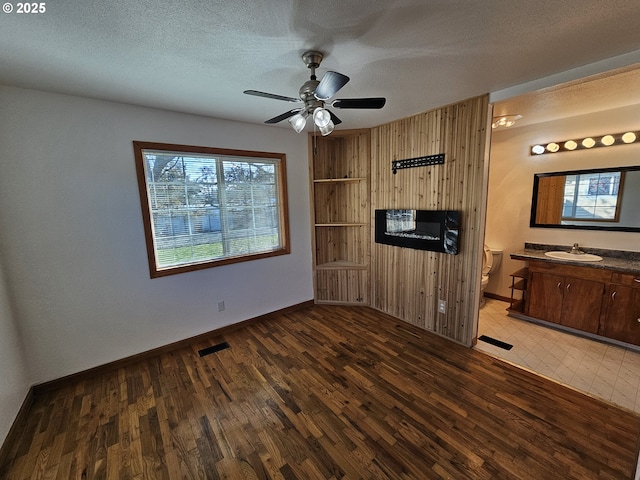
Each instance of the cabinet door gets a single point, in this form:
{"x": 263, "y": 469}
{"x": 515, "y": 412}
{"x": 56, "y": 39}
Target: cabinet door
{"x": 623, "y": 314}
{"x": 545, "y": 296}
{"x": 581, "y": 304}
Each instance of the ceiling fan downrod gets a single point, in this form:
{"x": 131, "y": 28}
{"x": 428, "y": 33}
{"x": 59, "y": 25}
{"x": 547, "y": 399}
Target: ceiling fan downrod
{"x": 312, "y": 60}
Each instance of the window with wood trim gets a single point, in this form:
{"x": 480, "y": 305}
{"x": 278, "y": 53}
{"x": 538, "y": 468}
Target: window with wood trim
{"x": 204, "y": 207}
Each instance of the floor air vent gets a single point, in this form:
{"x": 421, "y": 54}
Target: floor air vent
{"x": 497, "y": 343}
{"x": 213, "y": 349}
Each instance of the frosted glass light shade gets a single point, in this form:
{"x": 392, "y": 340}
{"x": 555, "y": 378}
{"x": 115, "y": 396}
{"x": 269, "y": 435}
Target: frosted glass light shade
{"x": 321, "y": 117}
{"x": 505, "y": 121}
{"x": 327, "y": 129}
{"x": 298, "y": 121}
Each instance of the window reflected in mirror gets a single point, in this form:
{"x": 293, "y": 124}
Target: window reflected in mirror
{"x": 592, "y": 197}
{"x": 604, "y": 199}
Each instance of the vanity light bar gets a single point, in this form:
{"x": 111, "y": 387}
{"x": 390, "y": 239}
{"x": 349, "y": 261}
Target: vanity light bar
{"x": 608, "y": 140}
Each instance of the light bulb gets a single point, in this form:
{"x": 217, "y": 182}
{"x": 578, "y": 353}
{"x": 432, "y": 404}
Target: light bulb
{"x": 537, "y": 149}
{"x": 327, "y": 129}
{"x": 298, "y": 121}
{"x": 608, "y": 140}
{"x": 321, "y": 117}
{"x": 553, "y": 147}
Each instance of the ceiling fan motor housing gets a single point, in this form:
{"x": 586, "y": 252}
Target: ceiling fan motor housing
{"x": 307, "y": 96}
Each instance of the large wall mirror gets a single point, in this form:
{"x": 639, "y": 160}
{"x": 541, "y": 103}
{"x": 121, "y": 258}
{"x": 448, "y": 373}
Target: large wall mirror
{"x": 598, "y": 199}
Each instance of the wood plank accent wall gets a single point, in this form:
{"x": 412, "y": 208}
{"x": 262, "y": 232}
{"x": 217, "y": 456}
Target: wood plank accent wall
{"x": 407, "y": 283}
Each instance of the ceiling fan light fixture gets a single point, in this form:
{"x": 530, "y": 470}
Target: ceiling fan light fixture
{"x": 327, "y": 129}
{"x": 299, "y": 121}
{"x": 313, "y": 94}
{"x": 322, "y": 118}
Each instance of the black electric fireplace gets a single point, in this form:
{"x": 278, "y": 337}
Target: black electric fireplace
{"x": 433, "y": 230}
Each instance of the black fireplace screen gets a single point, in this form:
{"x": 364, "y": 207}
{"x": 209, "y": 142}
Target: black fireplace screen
{"x": 434, "y": 230}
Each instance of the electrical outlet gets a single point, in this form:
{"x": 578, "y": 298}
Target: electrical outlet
{"x": 442, "y": 306}
{"x": 221, "y": 306}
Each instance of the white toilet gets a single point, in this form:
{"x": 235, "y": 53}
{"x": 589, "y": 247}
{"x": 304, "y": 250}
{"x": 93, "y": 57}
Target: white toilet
{"x": 490, "y": 263}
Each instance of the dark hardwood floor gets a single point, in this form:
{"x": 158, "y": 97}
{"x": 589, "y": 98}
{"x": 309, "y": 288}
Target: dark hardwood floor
{"x": 323, "y": 392}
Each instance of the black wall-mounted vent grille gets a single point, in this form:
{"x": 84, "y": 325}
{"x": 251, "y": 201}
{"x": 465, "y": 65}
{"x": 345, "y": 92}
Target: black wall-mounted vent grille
{"x": 213, "y": 349}
{"x": 437, "y": 159}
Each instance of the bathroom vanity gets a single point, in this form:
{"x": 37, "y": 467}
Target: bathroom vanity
{"x": 597, "y": 298}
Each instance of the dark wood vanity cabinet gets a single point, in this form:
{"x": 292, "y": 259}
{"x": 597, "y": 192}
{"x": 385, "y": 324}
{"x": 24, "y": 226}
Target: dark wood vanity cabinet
{"x": 545, "y": 296}
{"x": 621, "y": 314}
{"x": 569, "y": 301}
{"x": 600, "y": 301}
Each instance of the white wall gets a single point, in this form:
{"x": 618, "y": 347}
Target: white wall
{"x": 14, "y": 380}
{"x": 72, "y": 237}
{"x": 511, "y": 171}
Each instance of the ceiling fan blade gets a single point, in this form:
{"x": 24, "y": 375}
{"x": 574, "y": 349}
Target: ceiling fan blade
{"x": 334, "y": 118}
{"x": 283, "y": 116}
{"x": 330, "y": 84}
{"x": 374, "y": 102}
{"x": 271, "y": 95}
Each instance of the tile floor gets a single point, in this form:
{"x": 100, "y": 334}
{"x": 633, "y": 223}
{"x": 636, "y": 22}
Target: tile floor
{"x": 605, "y": 371}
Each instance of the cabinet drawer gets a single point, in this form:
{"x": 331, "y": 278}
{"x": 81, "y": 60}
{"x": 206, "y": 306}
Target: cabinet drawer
{"x": 586, "y": 273}
{"x": 626, "y": 279}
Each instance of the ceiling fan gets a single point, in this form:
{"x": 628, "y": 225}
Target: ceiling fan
{"x": 315, "y": 96}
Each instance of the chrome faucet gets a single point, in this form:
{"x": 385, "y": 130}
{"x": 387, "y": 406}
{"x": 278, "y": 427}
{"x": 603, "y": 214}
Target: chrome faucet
{"x": 576, "y": 250}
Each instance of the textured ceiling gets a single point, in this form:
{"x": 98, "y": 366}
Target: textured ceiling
{"x": 596, "y": 93}
{"x": 198, "y": 56}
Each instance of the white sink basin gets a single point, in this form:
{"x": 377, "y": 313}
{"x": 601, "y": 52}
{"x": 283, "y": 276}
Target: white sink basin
{"x": 585, "y": 257}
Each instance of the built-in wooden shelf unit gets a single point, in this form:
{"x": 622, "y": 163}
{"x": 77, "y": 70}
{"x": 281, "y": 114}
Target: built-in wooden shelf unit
{"x": 341, "y": 216}
{"x": 518, "y": 284}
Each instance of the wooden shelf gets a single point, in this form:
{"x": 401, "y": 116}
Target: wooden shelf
{"x": 345, "y": 224}
{"x": 517, "y": 306}
{"x": 340, "y": 264}
{"x": 340, "y": 180}
{"x": 518, "y": 284}
{"x": 522, "y": 273}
